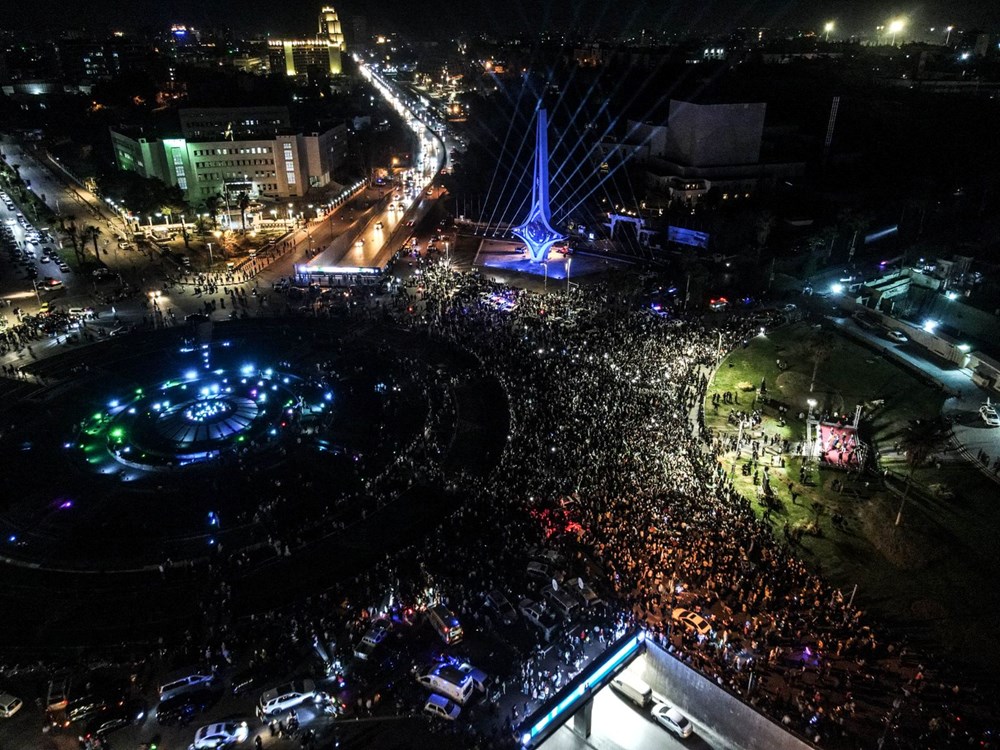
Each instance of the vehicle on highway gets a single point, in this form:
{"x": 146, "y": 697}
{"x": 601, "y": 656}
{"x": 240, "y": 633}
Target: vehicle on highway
{"x": 285, "y": 697}
{"x": 670, "y": 718}
{"x": 378, "y": 225}
{"x": 632, "y": 688}
{"x": 220, "y": 735}
{"x": 989, "y": 415}
{"x": 898, "y": 336}
{"x": 377, "y": 633}
{"x": 692, "y": 621}
{"x": 9, "y": 705}
{"x": 442, "y": 708}
{"x": 359, "y": 244}
{"x": 499, "y": 603}
{"x": 181, "y": 709}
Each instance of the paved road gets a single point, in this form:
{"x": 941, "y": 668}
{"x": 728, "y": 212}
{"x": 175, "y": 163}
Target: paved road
{"x": 962, "y": 407}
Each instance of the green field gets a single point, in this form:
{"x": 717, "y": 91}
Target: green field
{"x": 934, "y": 577}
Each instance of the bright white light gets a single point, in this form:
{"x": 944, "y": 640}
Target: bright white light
{"x": 836, "y": 288}
{"x": 952, "y": 295}
{"x": 247, "y": 370}
{"x": 930, "y": 325}
{"x": 191, "y": 375}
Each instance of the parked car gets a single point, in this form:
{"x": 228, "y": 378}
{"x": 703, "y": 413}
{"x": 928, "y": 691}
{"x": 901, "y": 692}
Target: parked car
{"x": 182, "y": 708}
{"x": 989, "y": 415}
{"x": 285, "y": 697}
{"x": 499, "y": 603}
{"x": 253, "y": 677}
{"x": 898, "y": 336}
{"x": 220, "y": 735}
{"x": 114, "y": 718}
{"x": 9, "y": 705}
{"x": 377, "y": 633}
{"x": 442, "y": 708}
{"x": 692, "y": 620}
{"x": 672, "y": 719}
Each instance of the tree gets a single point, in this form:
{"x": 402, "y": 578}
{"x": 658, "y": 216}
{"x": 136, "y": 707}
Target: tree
{"x": 214, "y": 204}
{"x": 244, "y": 203}
{"x": 922, "y": 438}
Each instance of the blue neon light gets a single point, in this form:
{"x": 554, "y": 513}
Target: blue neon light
{"x": 537, "y": 231}
{"x": 570, "y": 700}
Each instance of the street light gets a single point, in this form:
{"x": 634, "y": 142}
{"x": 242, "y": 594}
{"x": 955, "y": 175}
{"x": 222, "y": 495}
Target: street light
{"x": 828, "y": 27}
{"x": 947, "y": 38}
{"x": 569, "y": 261}
{"x": 895, "y": 27}
{"x": 211, "y": 260}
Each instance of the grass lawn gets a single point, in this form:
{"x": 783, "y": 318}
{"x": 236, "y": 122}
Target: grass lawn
{"x": 934, "y": 577}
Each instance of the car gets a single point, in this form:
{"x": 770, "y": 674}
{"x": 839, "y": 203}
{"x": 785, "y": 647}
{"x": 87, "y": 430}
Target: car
{"x": 359, "y": 244}
{"x": 499, "y": 603}
{"x": 252, "y": 677}
{"x": 442, "y": 708}
{"x": 220, "y": 735}
{"x": 377, "y": 633}
{"x": 539, "y": 570}
{"x": 538, "y": 615}
{"x": 692, "y": 621}
{"x": 182, "y": 708}
{"x": 989, "y": 415}
{"x": 378, "y": 225}
{"x": 9, "y": 705}
{"x": 45, "y": 259}
{"x": 480, "y": 679}
{"x": 898, "y": 336}
{"x": 670, "y": 718}
{"x": 285, "y": 697}
{"x": 587, "y": 596}
{"x": 115, "y": 717}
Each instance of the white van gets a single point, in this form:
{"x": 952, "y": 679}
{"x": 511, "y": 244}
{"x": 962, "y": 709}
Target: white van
{"x": 633, "y": 688}
{"x": 450, "y": 682}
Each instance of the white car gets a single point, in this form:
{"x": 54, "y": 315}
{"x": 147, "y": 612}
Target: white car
{"x": 220, "y": 735}
{"x": 375, "y": 635}
{"x": 9, "y": 705}
{"x": 441, "y": 707}
{"x": 672, "y": 719}
{"x": 989, "y": 415}
{"x": 286, "y": 697}
{"x": 898, "y": 336}
{"x": 692, "y": 620}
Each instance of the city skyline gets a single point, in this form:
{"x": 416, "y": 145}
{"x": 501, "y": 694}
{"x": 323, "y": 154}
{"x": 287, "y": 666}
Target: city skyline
{"x": 590, "y": 18}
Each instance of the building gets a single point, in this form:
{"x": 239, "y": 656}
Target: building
{"x": 329, "y": 28}
{"x": 700, "y": 147}
{"x": 297, "y": 57}
{"x": 221, "y": 150}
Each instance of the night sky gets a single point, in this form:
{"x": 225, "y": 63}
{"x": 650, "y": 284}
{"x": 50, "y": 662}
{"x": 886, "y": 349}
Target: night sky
{"x": 450, "y": 16}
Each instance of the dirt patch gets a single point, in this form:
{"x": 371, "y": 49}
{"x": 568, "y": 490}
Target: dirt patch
{"x": 902, "y": 546}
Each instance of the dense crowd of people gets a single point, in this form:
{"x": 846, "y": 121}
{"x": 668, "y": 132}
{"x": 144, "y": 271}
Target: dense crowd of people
{"x": 607, "y": 434}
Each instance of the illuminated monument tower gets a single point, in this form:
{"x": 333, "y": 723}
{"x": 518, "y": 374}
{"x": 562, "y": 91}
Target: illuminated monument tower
{"x": 536, "y": 231}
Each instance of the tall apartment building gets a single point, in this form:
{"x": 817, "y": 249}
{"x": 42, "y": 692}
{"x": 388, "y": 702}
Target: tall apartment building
{"x": 234, "y": 150}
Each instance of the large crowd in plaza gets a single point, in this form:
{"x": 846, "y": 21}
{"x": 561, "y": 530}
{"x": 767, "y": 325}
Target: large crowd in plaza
{"x": 607, "y": 434}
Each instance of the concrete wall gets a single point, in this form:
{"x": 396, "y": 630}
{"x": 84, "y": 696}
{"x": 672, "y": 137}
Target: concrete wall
{"x": 706, "y": 702}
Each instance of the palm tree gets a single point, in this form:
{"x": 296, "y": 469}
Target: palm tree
{"x": 244, "y": 205}
{"x": 94, "y": 233}
{"x": 213, "y": 203}
{"x": 923, "y": 438}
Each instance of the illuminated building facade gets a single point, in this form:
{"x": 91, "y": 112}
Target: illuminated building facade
{"x": 296, "y": 57}
{"x": 233, "y": 150}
